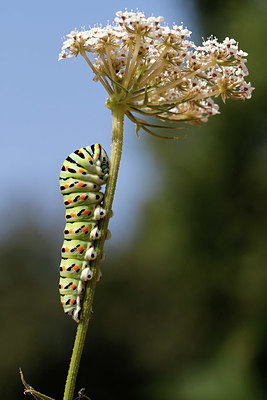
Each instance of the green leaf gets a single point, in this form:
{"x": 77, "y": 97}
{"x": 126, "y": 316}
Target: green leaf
{"x": 138, "y": 79}
{"x": 30, "y": 390}
{"x": 160, "y": 136}
{"x": 146, "y": 97}
{"x": 118, "y": 84}
{"x": 134, "y": 120}
{"x": 146, "y": 88}
{"x": 137, "y": 129}
{"x": 145, "y": 123}
{"x": 142, "y": 124}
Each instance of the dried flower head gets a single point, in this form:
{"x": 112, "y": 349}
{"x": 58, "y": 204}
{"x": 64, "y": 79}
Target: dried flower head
{"x": 154, "y": 70}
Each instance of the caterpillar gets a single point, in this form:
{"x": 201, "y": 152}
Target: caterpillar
{"x": 82, "y": 174}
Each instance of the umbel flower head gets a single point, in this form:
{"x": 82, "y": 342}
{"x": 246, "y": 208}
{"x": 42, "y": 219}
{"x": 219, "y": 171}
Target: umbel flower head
{"x": 154, "y": 70}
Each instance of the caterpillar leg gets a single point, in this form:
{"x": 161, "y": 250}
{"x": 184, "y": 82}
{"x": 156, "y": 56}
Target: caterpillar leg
{"x": 108, "y": 235}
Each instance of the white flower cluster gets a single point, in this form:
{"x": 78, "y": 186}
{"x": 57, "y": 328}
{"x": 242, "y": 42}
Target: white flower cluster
{"x": 155, "y": 70}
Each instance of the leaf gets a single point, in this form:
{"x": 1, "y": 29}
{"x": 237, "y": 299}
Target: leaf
{"x": 137, "y": 129}
{"x": 146, "y": 88}
{"x": 82, "y": 395}
{"x": 142, "y": 124}
{"x": 145, "y": 98}
{"x": 30, "y": 390}
{"x": 145, "y": 123}
{"x": 160, "y": 136}
{"x": 139, "y": 78}
{"x": 118, "y": 84}
{"x": 137, "y": 126}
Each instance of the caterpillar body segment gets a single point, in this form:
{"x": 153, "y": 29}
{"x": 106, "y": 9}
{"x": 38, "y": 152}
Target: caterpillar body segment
{"x": 81, "y": 213}
{"x": 80, "y": 199}
{"x": 78, "y": 185}
{"x": 82, "y": 175}
{"x": 82, "y": 230}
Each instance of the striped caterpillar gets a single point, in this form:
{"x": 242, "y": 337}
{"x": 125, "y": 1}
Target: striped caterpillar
{"x": 82, "y": 174}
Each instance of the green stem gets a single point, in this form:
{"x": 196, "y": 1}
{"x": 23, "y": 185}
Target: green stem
{"x": 115, "y": 156}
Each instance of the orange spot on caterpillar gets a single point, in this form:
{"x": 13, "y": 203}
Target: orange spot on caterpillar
{"x": 63, "y": 303}
{"x": 66, "y": 167}
{"x": 90, "y": 159}
{"x": 87, "y": 212}
{"x": 80, "y": 151}
{"x": 61, "y": 286}
{"x": 73, "y": 286}
{"x": 81, "y": 170}
{"x": 80, "y": 184}
{"x": 67, "y": 249}
{"x": 63, "y": 268}
{"x": 72, "y": 215}
{"x": 76, "y": 268}
{"x": 69, "y": 201}
{"x": 85, "y": 230}
{"x": 82, "y": 197}
{"x": 72, "y": 301}
{"x": 71, "y": 231}
{"x": 80, "y": 249}
{"x": 66, "y": 186}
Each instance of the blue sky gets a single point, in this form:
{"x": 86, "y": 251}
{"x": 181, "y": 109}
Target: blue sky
{"x": 50, "y": 108}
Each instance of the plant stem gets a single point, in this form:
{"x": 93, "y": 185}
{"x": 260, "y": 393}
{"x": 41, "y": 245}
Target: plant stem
{"x": 115, "y": 157}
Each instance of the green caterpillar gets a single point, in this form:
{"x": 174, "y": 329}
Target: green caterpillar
{"x": 82, "y": 174}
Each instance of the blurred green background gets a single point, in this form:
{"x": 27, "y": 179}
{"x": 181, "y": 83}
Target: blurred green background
{"x": 180, "y": 314}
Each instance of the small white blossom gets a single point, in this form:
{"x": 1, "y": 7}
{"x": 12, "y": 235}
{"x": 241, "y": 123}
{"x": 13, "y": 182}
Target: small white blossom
{"x": 154, "y": 70}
